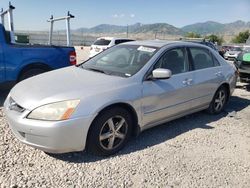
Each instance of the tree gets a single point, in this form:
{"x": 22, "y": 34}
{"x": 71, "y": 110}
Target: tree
{"x": 215, "y": 38}
{"x": 192, "y": 35}
{"x": 241, "y": 37}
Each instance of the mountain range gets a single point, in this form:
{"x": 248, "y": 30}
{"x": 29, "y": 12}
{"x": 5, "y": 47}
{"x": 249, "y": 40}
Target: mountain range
{"x": 205, "y": 28}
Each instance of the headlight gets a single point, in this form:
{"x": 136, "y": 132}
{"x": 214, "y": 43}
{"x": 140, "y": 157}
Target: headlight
{"x": 54, "y": 111}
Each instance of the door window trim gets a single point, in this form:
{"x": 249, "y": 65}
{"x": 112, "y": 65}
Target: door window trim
{"x": 191, "y": 59}
{"x": 147, "y": 74}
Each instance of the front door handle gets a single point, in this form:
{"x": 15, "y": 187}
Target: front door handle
{"x": 187, "y": 81}
{"x": 218, "y": 74}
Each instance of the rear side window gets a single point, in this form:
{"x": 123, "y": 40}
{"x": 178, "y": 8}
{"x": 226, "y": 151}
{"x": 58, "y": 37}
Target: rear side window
{"x": 102, "y": 42}
{"x": 201, "y": 58}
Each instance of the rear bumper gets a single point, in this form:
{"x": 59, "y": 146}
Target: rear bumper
{"x": 49, "y": 136}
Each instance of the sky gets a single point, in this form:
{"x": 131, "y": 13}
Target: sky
{"x": 33, "y": 14}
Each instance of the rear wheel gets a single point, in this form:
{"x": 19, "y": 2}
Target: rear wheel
{"x": 109, "y": 132}
{"x": 219, "y": 101}
{"x": 31, "y": 72}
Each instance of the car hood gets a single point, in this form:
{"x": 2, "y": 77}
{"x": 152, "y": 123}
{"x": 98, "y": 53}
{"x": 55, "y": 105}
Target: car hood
{"x": 64, "y": 84}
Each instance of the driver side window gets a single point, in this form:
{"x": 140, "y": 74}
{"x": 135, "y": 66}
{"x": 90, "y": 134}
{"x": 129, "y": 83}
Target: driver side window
{"x": 174, "y": 60}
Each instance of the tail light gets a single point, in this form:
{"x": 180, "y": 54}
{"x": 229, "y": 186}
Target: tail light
{"x": 72, "y": 58}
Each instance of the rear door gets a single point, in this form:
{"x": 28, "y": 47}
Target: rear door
{"x": 167, "y": 98}
{"x": 2, "y": 66}
{"x": 207, "y": 75}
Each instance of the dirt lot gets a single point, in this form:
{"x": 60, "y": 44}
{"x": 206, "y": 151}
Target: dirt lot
{"x": 199, "y": 150}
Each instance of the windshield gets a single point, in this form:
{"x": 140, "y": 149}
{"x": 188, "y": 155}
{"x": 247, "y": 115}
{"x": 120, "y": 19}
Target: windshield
{"x": 235, "y": 49}
{"x": 246, "y": 49}
{"x": 102, "y": 42}
{"x": 123, "y": 60}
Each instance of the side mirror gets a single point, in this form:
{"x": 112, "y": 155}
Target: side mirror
{"x": 161, "y": 73}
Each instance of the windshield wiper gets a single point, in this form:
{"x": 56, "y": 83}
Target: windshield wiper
{"x": 120, "y": 74}
{"x": 95, "y": 69}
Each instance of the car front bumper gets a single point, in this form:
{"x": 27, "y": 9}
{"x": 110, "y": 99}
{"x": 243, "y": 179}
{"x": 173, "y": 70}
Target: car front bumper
{"x": 231, "y": 57}
{"x": 49, "y": 136}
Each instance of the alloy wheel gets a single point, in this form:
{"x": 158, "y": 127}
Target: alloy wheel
{"x": 220, "y": 100}
{"x": 113, "y": 132}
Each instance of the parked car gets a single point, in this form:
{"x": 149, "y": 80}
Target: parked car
{"x": 207, "y": 43}
{"x": 222, "y": 50}
{"x": 102, "y": 102}
{"x": 21, "y": 61}
{"x": 246, "y": 48}
{"x": 242, "y": 63}
{"x": 104, "y": 43}
{"x": 232, "y": 53}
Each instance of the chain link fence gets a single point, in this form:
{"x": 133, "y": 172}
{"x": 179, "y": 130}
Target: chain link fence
{"x": 58, "y": 38}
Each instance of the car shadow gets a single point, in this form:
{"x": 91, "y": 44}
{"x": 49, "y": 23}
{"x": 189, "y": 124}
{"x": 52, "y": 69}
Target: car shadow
{"x": 162, "y": 132}
{"x": 3, "y": 95}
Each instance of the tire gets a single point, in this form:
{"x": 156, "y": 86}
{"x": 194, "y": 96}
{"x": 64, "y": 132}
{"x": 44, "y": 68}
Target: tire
{"x": 31, "y": 72}
{"x": 219, "y": 101}
{"x": 109, "y": 132}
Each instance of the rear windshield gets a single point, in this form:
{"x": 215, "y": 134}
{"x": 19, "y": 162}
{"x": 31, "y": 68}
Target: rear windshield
{"x": 102, "y": 42}
{"x": 246, "y": 49}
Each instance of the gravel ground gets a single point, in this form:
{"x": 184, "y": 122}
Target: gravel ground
{"x": 198, "y": 150}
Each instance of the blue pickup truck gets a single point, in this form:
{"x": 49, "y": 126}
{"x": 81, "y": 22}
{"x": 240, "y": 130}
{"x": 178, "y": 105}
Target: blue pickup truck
{"x": 20, "y": 61}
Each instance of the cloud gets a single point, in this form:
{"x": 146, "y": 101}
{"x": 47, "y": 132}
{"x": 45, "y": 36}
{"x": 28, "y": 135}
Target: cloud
{"x": 132, "y": 15}
{"x": 118, "y": 15}
{"x": 115, "y": 15}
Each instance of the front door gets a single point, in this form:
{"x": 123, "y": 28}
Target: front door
{"x": 168, "y": 98}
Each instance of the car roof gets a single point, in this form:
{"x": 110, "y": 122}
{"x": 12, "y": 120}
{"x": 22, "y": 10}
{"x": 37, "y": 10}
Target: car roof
{"x": 161, "y": 43}
{"x": 113, "y": 38}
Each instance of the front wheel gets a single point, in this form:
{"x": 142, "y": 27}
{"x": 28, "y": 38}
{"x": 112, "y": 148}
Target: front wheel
{"x": 109, "y": 132}
{"x": 219, "y": 101}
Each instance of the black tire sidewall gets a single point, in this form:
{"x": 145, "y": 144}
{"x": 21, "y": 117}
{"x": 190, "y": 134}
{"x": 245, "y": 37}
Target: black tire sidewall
{"x": 93, "y": 143}
{"x": 211, "y": 108}
{"x": 31, "y": 72}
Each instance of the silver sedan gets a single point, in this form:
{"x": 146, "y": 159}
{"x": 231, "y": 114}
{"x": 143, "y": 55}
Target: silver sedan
{"x": 126, "y": 89}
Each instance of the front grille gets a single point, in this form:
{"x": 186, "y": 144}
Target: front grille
{"x": 14, "y": 106}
